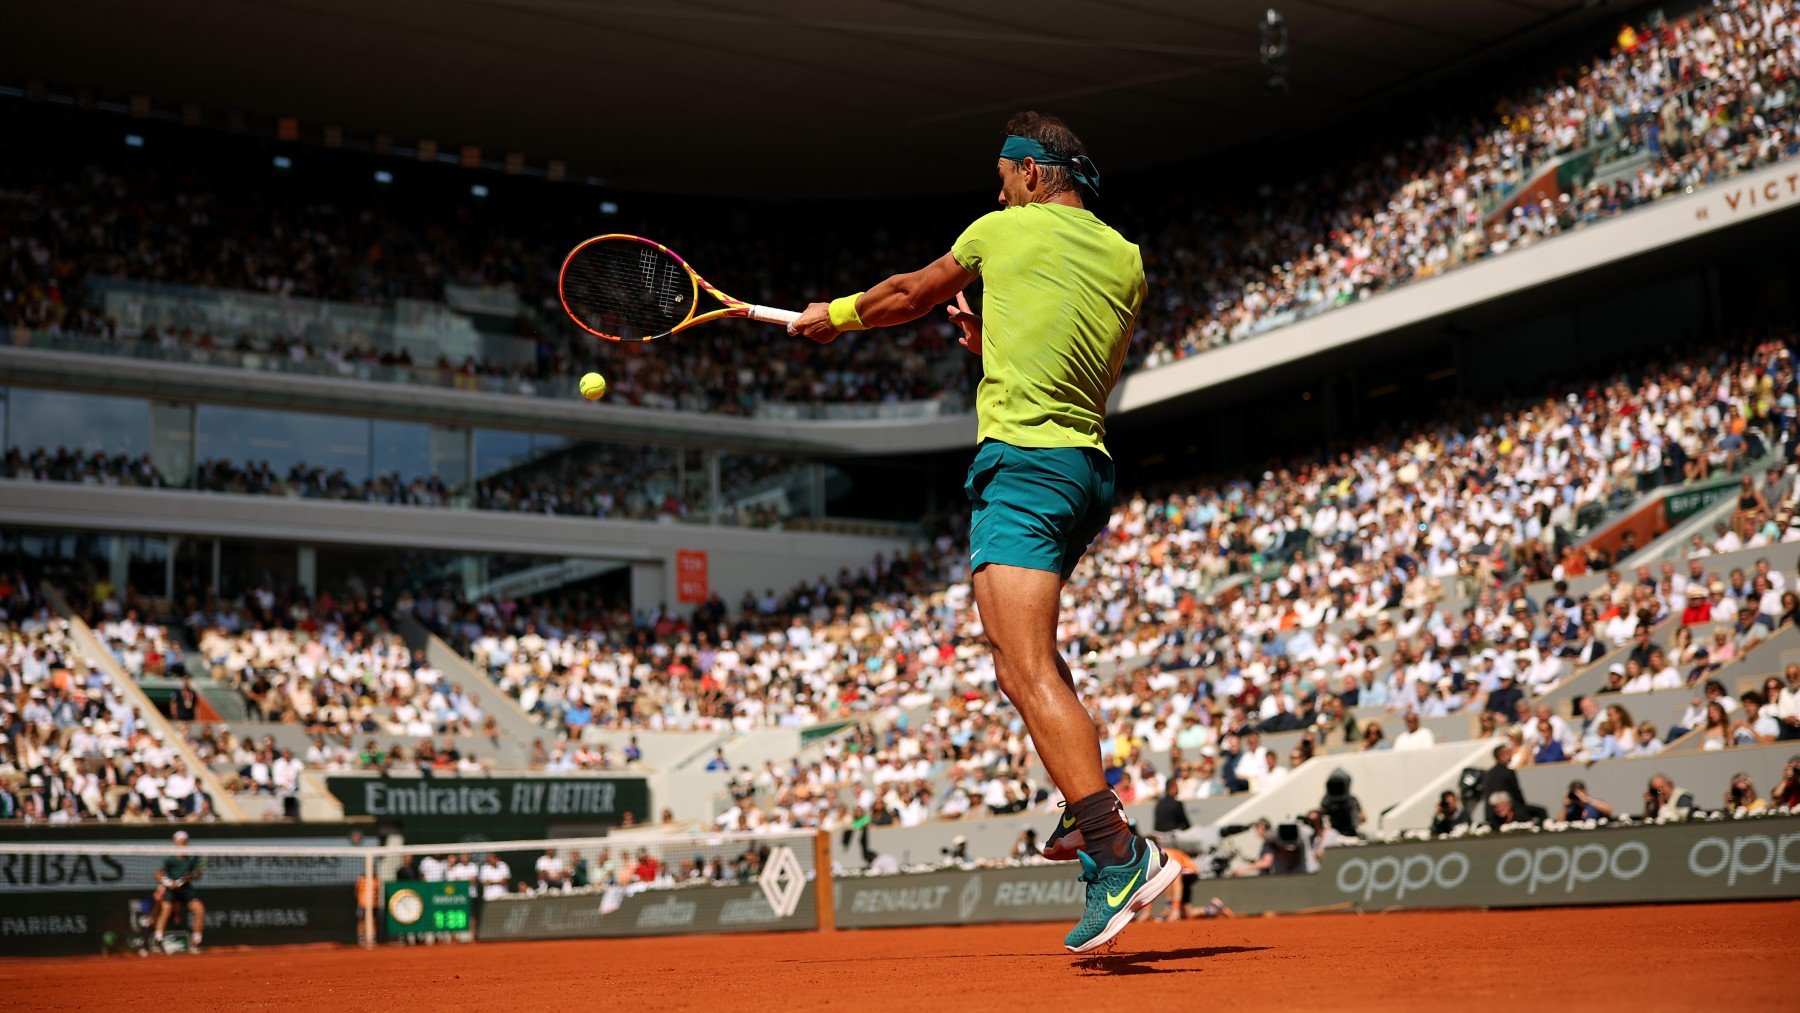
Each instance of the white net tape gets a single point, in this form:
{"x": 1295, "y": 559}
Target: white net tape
{"x": 626, "y": 861}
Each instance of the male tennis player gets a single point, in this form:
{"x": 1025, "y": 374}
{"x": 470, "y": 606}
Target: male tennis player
{"x": 175, "y": 880}
{"x": 1060, "y": 295}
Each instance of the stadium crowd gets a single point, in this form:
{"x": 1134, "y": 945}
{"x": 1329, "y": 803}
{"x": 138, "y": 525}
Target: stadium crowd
{"x": 1690, "y": 100}
{"x": 1360, "y": 554}
{"x": 1367, "y": 583}
{"x": 619, "y": 871}
{"x": 1704, "y": 95}
{"x": 589, "y": 480}
{"x": 72, "y": 747}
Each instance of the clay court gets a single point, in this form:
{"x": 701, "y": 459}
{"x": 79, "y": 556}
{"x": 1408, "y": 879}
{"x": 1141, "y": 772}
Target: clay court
{"x": 1586, "y": 958}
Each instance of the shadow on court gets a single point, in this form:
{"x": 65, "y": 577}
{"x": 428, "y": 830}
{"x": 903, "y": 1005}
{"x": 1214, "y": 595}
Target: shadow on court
{"x": 1145, "y": 961}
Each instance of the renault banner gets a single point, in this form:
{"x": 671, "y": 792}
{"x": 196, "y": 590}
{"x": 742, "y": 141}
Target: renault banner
{"x": 1725, "y": 860}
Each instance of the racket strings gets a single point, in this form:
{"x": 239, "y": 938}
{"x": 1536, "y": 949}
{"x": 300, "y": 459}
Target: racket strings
{"x": 627, "y": 290}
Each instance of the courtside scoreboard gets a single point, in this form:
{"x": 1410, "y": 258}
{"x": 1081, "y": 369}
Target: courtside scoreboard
{"x": 415, "y": 908}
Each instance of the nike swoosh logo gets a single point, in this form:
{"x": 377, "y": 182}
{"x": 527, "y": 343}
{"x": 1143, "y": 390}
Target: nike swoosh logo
{"x": 1115, "y": 899}
{"x": 1068, "y": 821}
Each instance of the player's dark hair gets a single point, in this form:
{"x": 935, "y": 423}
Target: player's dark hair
{"x": 1057, "y": 139}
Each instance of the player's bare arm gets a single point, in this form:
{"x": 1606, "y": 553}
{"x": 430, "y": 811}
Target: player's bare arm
{"x": 900, "y": 299}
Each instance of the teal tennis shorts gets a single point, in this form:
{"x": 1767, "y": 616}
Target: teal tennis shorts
{"x": 1036, "y": 507}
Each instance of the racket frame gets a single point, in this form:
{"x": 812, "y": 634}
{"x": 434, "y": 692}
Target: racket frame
{"x": 733, "y": 307}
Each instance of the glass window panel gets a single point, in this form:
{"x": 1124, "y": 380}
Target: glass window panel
{"x": 172, "y": 441}
{"x": 450, "y": 455}
{"x": 498, "y": 450}
{"x": 402, "y": 448}
{"x": 284, "y": 439}
{"x": 48, "y": 419}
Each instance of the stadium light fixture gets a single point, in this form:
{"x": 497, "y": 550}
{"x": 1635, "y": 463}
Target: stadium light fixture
{"x": 1273, "y": 49}
{"x": 383, "y": 176}
{"x": 283, "y": 162}
{"x": 134, "y": 140}
{"x": 608, "y": 208}
{"x": 479, "y": 190}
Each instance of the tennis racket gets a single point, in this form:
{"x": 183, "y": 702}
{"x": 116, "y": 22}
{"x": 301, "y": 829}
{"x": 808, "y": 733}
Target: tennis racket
{"x": 628, "y": 288}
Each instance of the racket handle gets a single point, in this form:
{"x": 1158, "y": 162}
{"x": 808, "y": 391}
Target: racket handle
{"x": 770, "y": 315}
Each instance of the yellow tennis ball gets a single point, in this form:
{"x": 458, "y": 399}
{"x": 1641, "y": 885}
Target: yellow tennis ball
{"x": 592, "y": 386}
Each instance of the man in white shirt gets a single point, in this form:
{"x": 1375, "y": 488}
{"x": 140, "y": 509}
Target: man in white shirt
{"x": 551, "y": 873}
{"x": 1787, "y": 707}
{"x": 432, "y": 869}
{"x": 179, "y": 790}
{"x": 1415, "y": 736}
{"x": 1271, "y": 777}
{"x": 495, "y": 877}
{"x": 463, "y": 870}
{"x": 286, "y": 771}
{"x": 149, "y": 788}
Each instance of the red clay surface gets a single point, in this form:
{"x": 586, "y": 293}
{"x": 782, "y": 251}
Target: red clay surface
{"x": 1716, "y": 956}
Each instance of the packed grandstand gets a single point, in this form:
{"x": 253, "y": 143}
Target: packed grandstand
{"x": 1383, "y": 585}
{"x": 1440, "y": 583}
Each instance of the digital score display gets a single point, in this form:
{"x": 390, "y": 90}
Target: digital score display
{"x": 416, "y": 908}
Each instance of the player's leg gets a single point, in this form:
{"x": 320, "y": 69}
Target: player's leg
{"x": 196, "y": 922}
{"x": 164, "y": 905}
{"x": 1018, "y": 610}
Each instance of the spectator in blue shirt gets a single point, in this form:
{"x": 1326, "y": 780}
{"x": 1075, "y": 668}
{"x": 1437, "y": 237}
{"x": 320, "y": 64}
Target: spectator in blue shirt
{"x": 1549, "y": 749}
{"x": 1579, "y": 805}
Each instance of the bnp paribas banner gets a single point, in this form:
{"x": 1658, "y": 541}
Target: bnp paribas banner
{"x": 613, "y": 912}
{"x": 464, "y": 809}
{"x": 1727, "y": 860}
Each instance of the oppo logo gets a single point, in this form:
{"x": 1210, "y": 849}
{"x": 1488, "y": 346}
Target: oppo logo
{"x": 1747, "y": 856}
{"x": 1402, "y": 875}
{"x": 1545, "y": 868}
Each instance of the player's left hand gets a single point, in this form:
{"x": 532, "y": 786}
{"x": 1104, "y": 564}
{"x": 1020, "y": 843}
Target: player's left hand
{"x": 965, "y": 321}
{"x": 815, "y": 323}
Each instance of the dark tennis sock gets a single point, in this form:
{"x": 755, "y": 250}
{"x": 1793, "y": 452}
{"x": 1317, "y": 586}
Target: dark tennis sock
{"x": 1106, "y": 837}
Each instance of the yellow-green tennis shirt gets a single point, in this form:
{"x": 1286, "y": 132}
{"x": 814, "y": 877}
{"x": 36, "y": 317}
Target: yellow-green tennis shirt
{"x": 1061, "y": 291}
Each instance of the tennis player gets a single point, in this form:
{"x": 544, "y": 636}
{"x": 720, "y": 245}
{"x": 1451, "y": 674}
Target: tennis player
{"x": 1061, "y": 293}
{"x": 175, "y": 880}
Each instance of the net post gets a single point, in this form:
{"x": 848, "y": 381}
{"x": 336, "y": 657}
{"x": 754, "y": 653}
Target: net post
{"x": 826, "y": 910}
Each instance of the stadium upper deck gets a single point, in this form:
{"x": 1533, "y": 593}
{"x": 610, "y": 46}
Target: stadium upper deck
{"x": 1695, "y": 100}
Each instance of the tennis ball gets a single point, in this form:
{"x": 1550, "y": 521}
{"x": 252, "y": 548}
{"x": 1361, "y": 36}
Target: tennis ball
{"x": 592, "y": 386}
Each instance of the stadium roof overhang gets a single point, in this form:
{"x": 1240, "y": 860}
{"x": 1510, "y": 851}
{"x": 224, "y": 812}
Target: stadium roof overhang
{"x": 776, "y": 97}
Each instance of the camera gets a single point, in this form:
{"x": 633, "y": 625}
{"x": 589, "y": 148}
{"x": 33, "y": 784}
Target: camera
{"x": 1287, "y": 834}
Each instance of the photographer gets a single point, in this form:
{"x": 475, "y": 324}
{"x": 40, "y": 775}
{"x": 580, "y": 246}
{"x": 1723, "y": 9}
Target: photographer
{"x": 1665, "y": 803}
{"x": 1342, "y": 810}
{"x": 1026, "y": 846}
{"x": 1579, "y": 805}
{"x": 1449, "y": 815}
{"x": 1787, "y": 790}
{"x": 958, "y": 851}
{"x": 1503, "y": 810}
{"x": 1286, "y": 850}
{"x": 1741, "y": 796}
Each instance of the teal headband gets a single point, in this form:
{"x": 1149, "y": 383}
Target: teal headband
{"x": 1081, "y": 167}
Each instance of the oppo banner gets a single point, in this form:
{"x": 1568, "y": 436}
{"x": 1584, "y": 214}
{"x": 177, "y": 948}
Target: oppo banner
{"x": 603, "y": 913}
{"x": 1728, "y": 860}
